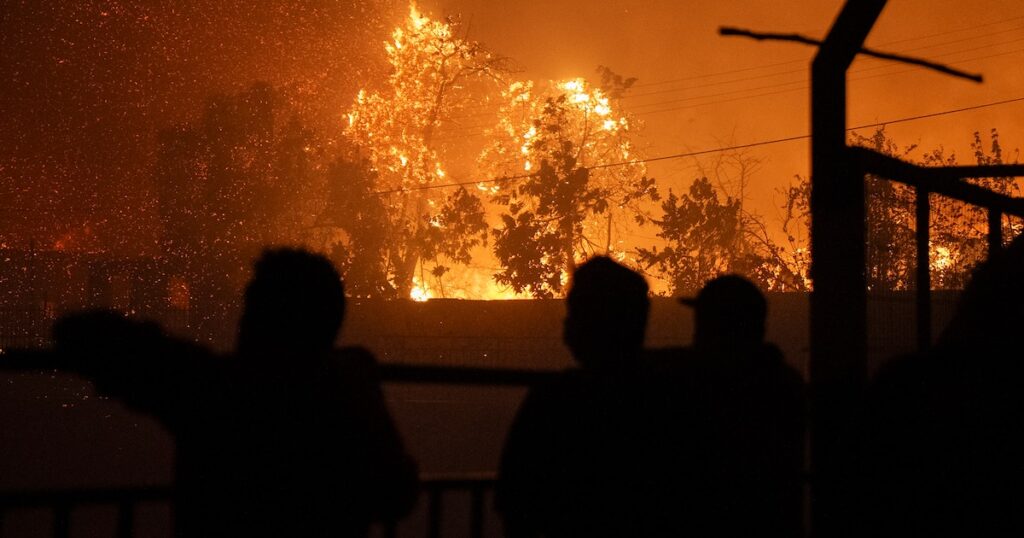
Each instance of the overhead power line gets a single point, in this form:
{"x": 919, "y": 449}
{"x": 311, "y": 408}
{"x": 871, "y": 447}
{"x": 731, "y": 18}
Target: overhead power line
{"x": 505, "y": 179}
{"x": 634, "y": 95}
{"x": 802, "y": 70}
{"x": 799, "y": 38}
{"x": 965, "y": 29}
{"x": 799, "y": 88}
{"x": 463, "y": 131}
{"x": 467, "y": 131}
{"x": 936, "y": 114}
{"x": 802, "y": 60}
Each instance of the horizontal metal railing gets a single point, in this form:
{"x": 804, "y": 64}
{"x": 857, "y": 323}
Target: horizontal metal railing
{"x": 63, "y": 501}
{"x": 459, "y": 375}
{"x": 435, "y": 489}
{"x": 42, "y": 359}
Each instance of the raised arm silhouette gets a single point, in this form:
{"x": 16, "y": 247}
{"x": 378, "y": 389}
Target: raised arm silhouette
{"x": 945, "y": 427}
{"x": 288, "y": 437}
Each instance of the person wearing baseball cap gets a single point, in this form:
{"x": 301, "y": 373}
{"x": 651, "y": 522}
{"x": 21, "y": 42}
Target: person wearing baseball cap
{"x": 739, "y": 410}
{"x": 729, "y": 316}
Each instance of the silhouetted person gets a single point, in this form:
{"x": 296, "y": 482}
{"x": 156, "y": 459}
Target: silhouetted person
{"x": 739, "y": 413}
{"x": 946, "y": 427}
{"x": 582, "y": 457}
{"x": 287, "y": 438}
{"x": 729, "y": 319}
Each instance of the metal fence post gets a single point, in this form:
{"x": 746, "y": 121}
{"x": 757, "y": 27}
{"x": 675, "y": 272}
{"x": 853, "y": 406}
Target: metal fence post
{"x": 924, "y": 273}
{"x": 839, "y": 300}
{"x": 434, "y": 502}
{"x": 995, "y": 231}
{"x": 126, "y": 519}
{"x": 476, "y": 521}
{"x": 62, "y": 520}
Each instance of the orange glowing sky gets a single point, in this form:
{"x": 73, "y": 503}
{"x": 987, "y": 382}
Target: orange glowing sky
{"x": 664, "y": 40}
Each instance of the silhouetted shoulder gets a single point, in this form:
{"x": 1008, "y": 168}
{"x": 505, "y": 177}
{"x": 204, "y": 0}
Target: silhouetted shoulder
{"x": 897, "y": 401}
{"x": 575, "y": 389}
{"x": 923, "y": 384}
{"x": 891, "y": 388}
{"x": 775, "y": 361}
{"x": 356, "y": 369}
{"x": 388, "y": 476}
{"x": 942, "y": 447}
{"x": 355, "y": 358}
{"x": 356, "y": 355}
{"x": 579, "y": 458}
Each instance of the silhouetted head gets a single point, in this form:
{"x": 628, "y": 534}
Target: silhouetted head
{"x": 729, "y": 315}
{"x": 607, "y": 312}
{"x": 990, "y": 310}
{"x": 295, "y": 302}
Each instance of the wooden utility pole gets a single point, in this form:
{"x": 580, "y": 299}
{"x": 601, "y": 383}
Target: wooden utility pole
{"x": 838, "y": 366}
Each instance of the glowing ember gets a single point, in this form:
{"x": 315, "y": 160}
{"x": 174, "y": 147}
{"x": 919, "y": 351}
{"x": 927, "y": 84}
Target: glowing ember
{"x": 419, "y": 295}
{"x": 941, "y": 258}
{"x": 420, "y": 292}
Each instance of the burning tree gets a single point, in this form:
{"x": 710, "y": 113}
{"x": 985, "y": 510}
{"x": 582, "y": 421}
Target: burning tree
{"x": 700, "y": 231}
{"x": 708, "y": 233}
{"x": 436, "y": 71}
{"x": 958, "y": 230}
{"x": 889, "y": 221}
{"x": 579, "y": 183}
{"x": 355, "y": 221}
